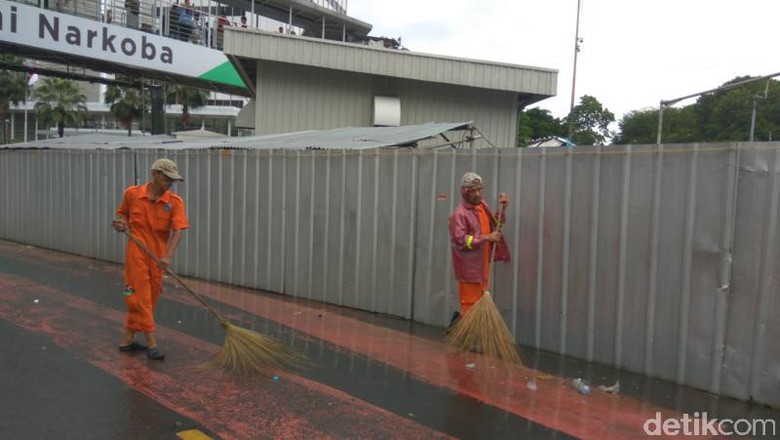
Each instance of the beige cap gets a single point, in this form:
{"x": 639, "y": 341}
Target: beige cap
{"x": 167, "y": 167}
{"x": 470, "y": 179}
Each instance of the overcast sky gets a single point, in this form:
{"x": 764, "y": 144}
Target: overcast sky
{"x": 634, "y": 53}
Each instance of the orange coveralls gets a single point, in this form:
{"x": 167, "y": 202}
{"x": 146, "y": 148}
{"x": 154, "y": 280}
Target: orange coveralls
{"x": 152, "y": 224}
{"x": 470, "y": 293}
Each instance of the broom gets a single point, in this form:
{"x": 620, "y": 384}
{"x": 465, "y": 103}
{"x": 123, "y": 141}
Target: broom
{"x": 483, "y": 328}
{"x": 244, "y": 351}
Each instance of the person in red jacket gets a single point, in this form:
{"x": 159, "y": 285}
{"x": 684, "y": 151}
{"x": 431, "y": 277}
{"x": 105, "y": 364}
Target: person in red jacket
{"x": 155, "y": 215}
{"x": 473, "y": 233}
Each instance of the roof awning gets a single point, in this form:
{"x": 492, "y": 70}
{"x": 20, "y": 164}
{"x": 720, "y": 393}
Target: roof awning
{"x": 350, "y": 138}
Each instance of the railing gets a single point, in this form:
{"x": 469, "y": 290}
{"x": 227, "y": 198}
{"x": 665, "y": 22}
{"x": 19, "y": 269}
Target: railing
{"x": 201, "y": 24}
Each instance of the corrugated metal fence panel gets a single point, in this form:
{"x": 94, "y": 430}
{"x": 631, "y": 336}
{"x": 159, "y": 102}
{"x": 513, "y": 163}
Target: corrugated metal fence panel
{"x": 633, "y": 251}
{"x": 396, "y": 269}
{"x": 432, "y": 256}
{"x": 764, "y": 385}
{"x": 709, "y": 206}
{"x": 257, "y": 228}
{"x": 335, "y": 230}
{"x": 752, "y": 351}
{"x": 64, "y": 199}
{"x": 9, "y": 214}
{"x": 346, "y": 229}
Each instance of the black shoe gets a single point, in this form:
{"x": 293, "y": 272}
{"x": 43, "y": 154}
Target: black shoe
{"x": 155, "y": 354}
{"x": 454, "y": 320}
{"x": 135, "y": 346}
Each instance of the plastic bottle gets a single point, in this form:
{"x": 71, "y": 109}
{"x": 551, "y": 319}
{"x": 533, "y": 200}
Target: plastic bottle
{"x": 581, "y": 386}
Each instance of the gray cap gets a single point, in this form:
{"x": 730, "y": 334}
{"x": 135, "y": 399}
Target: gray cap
{"x": 470, "y": 179}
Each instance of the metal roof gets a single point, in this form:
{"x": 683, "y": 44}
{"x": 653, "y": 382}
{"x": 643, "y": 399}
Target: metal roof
{"x": 250, "y": 45}
{"x": 350, "y": 138}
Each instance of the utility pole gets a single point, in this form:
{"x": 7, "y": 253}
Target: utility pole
{"x": 577, "y": 41}
{"x": 753, "y": 112}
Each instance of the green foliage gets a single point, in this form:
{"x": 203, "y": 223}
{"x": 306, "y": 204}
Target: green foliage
{"x": 723, "y": 116}
{"x": 680, "y": 125}
{"x": 589, "y": 122}
{"x": 726, "y": 115}
{"x": 61, "y": 102}
{"x": 637, "y": 127}
{"x": 13, "y": 90}
{"x": 641, "y": 126}
{"x": 188, "y": 97}
{"x": 537, "y": 123}
{"x": 126, "y": 104}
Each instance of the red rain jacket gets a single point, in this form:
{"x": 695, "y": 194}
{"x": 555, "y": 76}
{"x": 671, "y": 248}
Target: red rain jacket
{"x": 467, "y": 241}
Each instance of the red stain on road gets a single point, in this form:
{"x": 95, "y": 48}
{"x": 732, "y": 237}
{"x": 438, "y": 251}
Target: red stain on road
{"x": 554, "y": 403}
{"x": 232, "y": 408}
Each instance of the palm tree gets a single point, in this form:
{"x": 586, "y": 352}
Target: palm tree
{"x": 126, "y": 104}
{"x": 60, "y": 101}
{"x": 190, "y": 98}
{"x": 13, "y": 90}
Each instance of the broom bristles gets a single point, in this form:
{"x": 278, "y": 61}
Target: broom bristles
{"x": 246, "y": 352}
{"x": 483, "y": 329}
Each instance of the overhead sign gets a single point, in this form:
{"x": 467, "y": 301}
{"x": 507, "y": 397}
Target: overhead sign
{"x": 43, "y": 29}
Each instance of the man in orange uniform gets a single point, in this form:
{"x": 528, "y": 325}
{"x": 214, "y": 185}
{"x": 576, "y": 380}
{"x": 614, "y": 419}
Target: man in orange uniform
{"x": 473, "y": 233}
{"x": 156, "y": 216}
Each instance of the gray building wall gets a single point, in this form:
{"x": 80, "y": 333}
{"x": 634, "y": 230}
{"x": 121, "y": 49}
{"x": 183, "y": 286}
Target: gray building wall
{"x": 296, "y": 98}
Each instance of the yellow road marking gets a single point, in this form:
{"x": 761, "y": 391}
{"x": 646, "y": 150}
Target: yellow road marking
{"x": 192, "y": 434}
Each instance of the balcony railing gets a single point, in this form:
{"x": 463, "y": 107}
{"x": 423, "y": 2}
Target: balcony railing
{"x": 202, "y": 23}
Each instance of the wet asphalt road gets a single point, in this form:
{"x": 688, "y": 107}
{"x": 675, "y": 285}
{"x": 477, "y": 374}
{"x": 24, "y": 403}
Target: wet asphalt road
{"x": 62, "y": 377}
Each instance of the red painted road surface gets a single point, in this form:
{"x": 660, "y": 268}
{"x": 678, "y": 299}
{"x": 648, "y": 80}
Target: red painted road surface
{"x": 369, "y": 379}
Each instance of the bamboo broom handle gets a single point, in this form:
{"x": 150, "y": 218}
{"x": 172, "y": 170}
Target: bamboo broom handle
{"x": 173, "y": 274}
{"x": 493, "y": 251}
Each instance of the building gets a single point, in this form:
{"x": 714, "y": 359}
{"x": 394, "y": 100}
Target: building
{"x": 292, "y": 65}
{"x": 307, "y": 83}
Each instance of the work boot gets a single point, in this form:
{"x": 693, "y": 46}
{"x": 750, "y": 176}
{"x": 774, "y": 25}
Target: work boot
{"x": 135, "y": 346}
{"x": 155, "y": 354}
{"x": 454, "y": 320}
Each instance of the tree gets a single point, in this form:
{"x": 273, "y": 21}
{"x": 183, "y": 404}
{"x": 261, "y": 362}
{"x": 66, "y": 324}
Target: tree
{"x": 125, "y": 103}
{"x": 681, "y": 125}
{"x": 13, "y": 90}
{"x": 60, "y": 102}
{"x": 589, "y": 122}
{"x": 537, "y": 123}
{"x": 188, "y": 97}
{"x": 726, "y": 115}
{"x": 641, "y": 126}
{"x": 637, "y": 127}
{"x": 715, "y": 117}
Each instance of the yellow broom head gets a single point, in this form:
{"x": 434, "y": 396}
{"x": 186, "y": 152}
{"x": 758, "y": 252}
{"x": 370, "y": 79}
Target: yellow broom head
{"x": 248, "y": 352}
{"x": 483, "y": 330}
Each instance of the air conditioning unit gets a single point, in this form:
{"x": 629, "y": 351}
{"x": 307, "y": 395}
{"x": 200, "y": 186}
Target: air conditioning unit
{"x": 387, "y": 111}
